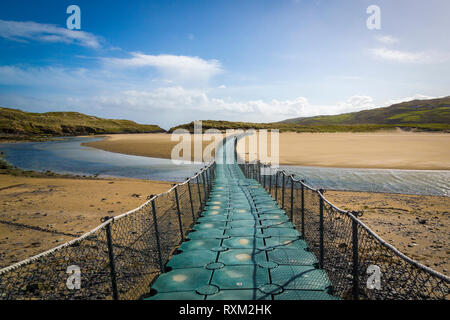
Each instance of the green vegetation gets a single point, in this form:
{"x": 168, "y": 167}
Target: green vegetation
{"x": 418, "y": 115}
{"x": 20, "y": 125}
{"x": 419, "y": 112}
{"x": 289, "y": 127}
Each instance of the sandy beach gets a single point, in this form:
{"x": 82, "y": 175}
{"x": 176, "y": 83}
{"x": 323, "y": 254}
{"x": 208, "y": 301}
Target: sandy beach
{"x": 63, "y": 208}
{"x": 419, "y": 226}
{"x": 155, "y": 145}
{"x": 389, "y": 149}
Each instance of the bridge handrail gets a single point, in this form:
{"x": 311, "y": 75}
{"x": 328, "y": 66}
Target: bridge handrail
{"x": 97, "y": 249}
{"x": 329, "y": 212}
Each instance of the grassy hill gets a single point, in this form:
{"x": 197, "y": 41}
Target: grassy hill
{"x": 421, "y": 115}
{"x": 433, "y": 111}
{"x": 292, "y": 127}
{"x": 17, "y": 124}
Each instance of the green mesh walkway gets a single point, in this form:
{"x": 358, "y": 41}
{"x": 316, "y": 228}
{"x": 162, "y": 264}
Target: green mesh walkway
{"x": 243, "y": 247}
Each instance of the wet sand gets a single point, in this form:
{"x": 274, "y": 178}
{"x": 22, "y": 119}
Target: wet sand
{"x": 389, "y": 149}
{"x": 154, "y": 145}
{"x": 62, "y": 208}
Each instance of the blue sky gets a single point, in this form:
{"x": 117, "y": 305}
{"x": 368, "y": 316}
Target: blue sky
{"x": 170, "y": 62}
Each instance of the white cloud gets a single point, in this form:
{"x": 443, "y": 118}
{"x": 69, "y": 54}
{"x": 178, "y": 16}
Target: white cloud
{"x": 33, "y": 31}
{"x": 407, "y": 56}
{"x": 170, "y": 98}
{"x": 83, "y": 88}
{"x": 386, "y": 39}
{"x": 116, "y": 93}
{"x": 355, "y": 103}
{"x": 172, "y": 66}
{"x": 414, "y": 97}
{"x": 184, "y": 100}
{"x": 398, "y": 56}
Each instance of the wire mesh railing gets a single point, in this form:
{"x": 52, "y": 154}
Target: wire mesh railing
{"x": 120, "y": 258}
{"x": 358, "y": 262}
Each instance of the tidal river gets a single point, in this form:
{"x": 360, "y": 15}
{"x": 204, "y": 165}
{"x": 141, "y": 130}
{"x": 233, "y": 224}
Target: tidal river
{"x": 68, "y": 156}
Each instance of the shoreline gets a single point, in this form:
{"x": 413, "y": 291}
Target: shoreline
{"x": 396, "y": 150}
{"x": 386, "y": 149}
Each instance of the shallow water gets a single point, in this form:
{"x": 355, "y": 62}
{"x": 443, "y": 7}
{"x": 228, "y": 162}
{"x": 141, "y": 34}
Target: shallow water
{"x": 422, "y": 182}
{"x": 68, "y": 156}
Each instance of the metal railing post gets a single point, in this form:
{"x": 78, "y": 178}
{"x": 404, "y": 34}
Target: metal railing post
{"x": 199, "y": 193}
{"x": 283, "y": 188}
{"x": 235, "y": 149}
{"x": 204, "y": 186}
{"x": 321, "y": 251}
{"x": 303, "y": 209}
{"x": 270, "y": 182}
{"x": 292, "y": 199}
{"x": 264, "y": 176}
{"x": 355, "y": 260}
{"x": 190, "y": 200}
{"x": 259, "y": 172}
{"x": 276, "y": 186}
{"x": 158, "y": 244}
{"x": 207, "y": 181}
{"x": 112, "y": 266}
{"x": 180, "y": 223}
